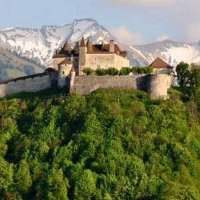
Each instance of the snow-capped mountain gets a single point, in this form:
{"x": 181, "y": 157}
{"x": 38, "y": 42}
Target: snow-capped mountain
{"x": 171, "y": 51}
{"x": 40, "y": 44}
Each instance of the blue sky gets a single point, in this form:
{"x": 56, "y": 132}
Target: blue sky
{"x": 135, "y": 21}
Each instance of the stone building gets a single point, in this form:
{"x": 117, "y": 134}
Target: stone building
{"x": 88, "y": 55}
{"x": 161, "y": 67}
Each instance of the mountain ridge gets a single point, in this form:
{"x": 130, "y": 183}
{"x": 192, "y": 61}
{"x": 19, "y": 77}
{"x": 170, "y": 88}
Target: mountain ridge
{"x": 39, "y": 44}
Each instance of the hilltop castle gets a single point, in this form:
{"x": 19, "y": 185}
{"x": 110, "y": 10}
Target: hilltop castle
{"x": 71, "y": 62}
{"x": 88, "y": 55}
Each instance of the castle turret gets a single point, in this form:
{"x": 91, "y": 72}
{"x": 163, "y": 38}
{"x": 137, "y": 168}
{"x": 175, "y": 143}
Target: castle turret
{"x": 159, "y": 85}
{"x": 64, "y": 70}
{"x": 82, "y": 55}
{"x": 112, "y": 46}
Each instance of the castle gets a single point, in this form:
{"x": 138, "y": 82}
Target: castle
{"x": 93, "y": 56}
{"x": 70, "y": 64}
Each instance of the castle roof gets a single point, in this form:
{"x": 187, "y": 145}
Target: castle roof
{"x": 105, "y": 48}
{"x": 159, "y": 64}
{"x": 91, "y": 49}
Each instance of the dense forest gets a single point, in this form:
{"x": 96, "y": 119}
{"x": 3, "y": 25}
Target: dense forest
{"x": 109, "y": 145}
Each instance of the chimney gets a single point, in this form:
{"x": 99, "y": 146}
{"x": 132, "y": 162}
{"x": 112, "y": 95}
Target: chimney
{"x": 112, "y": 46}
{"x": 89, "y": 46}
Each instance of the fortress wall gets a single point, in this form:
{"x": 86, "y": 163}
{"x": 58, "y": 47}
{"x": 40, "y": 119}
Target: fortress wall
{"x": 156, "y": 85}
{"x": 26, "y": 85}
{"x": 86, "y": 84}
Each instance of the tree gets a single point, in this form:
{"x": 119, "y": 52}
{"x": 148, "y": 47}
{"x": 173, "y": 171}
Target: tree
{"x": 23, "y": 178}
{"x": 6, "y": 175}
{"x": 85, "y": 187}
{"x": 54, "y": 186}
{"x": 184, "y": 77}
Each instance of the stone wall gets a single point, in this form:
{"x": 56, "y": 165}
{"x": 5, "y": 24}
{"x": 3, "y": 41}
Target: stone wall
{"x": 156, "y": 85}
{"x": 25, "y": 85}
{"x": 86, "y": 84}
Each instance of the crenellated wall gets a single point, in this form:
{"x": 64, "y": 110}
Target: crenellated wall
{"x": 156, "y": 85}
{"x": 86, "y": 84}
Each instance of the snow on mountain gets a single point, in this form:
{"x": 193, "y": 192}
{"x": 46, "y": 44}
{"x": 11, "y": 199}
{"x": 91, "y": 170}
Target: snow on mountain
{"x": 171, "y": 51}
{"x": 40, "y": 44}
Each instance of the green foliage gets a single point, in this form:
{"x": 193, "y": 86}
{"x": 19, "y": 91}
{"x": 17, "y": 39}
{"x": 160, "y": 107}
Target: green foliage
{"x": 184, "y": 77}
{"x": 109, "y": 145}
{"x": 189, "y": 81}
{"x": 23, "y": 178}
{"x": 101, "y": 72}
{"x": 112, "y": 71}
{"x": 85, "y": 188}
{"x": 88, "y": 71}
{"x": 124, "y": 71}
{"x": 142, "y": 70}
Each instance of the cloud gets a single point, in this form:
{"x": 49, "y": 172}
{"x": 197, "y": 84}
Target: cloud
{"x": 193, "y": 32}
{"x": 143, "y": 2}
{"x": 127, "y": 37}
{"x": 180, "y": 18}
{"x": 162, "y": 38}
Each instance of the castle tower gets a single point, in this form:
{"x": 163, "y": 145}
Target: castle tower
{"x": 82, "y": 55}
{"x": 159, "y": 85}
{"x": 64, "y": 70}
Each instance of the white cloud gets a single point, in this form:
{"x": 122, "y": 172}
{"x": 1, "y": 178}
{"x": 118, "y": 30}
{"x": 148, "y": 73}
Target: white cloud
{"x": 180, "y": 18}
{"x": 162, "y": 38}
{"x": 127, "y": 37}
{"x": 144, "y": 2}
{"x": 193, "y": 32}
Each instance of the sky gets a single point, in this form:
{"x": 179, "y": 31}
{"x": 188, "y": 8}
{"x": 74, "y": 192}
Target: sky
{"x": 131, "y": 21}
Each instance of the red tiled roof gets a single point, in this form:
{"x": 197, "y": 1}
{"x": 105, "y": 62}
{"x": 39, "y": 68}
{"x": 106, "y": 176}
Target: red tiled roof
{"x": 92, "y": 49}
{"x": 159, "y": 63}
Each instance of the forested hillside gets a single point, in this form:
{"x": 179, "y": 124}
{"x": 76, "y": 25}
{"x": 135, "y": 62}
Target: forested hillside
{"x": 115, "y": 144}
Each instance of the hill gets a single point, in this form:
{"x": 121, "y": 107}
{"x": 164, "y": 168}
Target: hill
{"x": 112, "y": 144}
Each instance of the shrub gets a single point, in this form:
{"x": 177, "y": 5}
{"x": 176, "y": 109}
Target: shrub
{"x": 112, "y": 71}
{"x": 125, "y": 71}
{"x": 88, "y": 71}
{"x": 142, "y": 70}
{"x": 101, "y": 72}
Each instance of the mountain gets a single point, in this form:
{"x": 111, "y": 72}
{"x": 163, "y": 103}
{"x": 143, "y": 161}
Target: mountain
{"x": 171, "y": 51}
{"x": 13, "y": 65}
{"x": 39, "y": 45}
